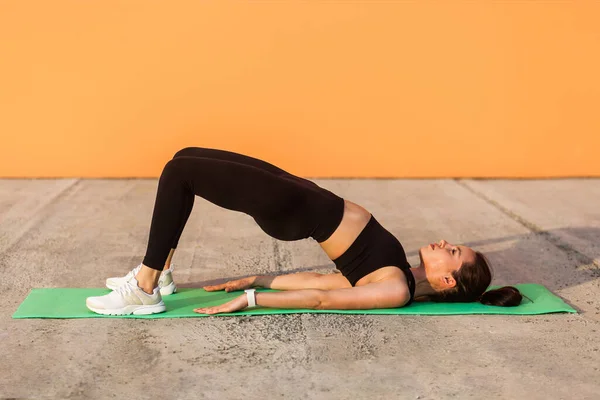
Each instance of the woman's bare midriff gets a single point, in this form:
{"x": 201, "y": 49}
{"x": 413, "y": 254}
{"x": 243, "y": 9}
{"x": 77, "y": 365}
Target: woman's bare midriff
{"x": 353, "y": 222}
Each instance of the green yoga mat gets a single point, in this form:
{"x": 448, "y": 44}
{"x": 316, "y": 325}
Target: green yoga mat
{"x": 70, "y": 303}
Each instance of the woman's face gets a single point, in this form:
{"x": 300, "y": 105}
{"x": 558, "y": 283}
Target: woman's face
{"x": 439, "y": 261}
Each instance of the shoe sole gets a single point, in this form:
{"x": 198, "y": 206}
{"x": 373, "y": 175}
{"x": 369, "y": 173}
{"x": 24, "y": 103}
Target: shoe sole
{"x": 134, "y": 309}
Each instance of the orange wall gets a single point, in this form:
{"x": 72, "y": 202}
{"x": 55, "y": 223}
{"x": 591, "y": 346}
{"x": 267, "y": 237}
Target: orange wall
{"x": 322, "y": 89}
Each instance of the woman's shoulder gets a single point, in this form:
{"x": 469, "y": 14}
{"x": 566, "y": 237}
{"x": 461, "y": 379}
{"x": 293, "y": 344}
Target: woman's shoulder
{"x": 398, "y": 276}
{"x": 388, "y": 273}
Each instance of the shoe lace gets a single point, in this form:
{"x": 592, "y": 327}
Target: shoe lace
{"x": 124, "y": 289}
{"x": 134, "y": 272}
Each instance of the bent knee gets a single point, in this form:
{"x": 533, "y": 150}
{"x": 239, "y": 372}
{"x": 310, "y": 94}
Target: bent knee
{"x": 173, "y": 165}
{"x": 187, "y": 151}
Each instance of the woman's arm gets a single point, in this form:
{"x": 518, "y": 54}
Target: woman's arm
{"x": 385, "y": 294}
{"x": 302, "y": 280}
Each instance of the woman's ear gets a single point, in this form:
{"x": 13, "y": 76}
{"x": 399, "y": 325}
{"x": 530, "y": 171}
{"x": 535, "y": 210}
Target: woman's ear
{"x": 448, "y": 281}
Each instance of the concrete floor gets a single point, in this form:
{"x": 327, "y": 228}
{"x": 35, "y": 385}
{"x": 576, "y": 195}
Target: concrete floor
{"x": 75, "y": 233}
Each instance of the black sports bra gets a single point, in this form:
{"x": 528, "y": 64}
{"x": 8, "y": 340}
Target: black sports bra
{"x": 374, "y": 248}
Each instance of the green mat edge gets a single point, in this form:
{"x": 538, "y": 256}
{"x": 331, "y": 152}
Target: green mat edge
{"x": 559, "y": 306}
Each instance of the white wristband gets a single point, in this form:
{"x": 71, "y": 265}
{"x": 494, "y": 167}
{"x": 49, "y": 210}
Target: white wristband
{"x": 251, "y": 296}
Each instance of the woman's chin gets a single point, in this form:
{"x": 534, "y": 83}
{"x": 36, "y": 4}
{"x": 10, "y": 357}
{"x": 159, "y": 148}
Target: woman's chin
{"x": 421, "y": 250}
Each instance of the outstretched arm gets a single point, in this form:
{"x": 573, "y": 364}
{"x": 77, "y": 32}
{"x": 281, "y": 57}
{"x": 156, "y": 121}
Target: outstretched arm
{"x": 302, "y": 280}
{"x": 386, "y": 294}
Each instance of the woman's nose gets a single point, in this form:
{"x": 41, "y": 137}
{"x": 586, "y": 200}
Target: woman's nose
{"x": 443, "y": 243}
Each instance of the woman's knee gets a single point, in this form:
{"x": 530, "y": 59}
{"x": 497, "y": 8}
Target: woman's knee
{"x": 173, "y": 165}
{"x": 187, "y": 151}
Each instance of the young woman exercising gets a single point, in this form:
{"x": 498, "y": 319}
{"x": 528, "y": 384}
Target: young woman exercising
{"x": 372, "y": 262}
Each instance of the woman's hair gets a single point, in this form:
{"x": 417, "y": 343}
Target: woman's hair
{"x": 472, "y": 279}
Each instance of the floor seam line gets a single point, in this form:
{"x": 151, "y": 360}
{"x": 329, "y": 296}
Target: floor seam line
{"x": 556, "y": 241}
{"x": 36, "y": 221}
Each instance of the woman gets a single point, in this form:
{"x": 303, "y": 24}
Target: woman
{"x": 373, "y": 265}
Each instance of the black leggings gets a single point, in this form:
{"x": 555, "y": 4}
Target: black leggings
{"x": 285, "y": 206}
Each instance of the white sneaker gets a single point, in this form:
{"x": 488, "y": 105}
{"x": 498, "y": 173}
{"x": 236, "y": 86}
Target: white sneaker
{"x": 127, "y": 299}
{"x": 165, "y": 281}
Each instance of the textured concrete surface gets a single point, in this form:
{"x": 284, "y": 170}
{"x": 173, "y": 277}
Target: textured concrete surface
{"x": 75, "y": 233}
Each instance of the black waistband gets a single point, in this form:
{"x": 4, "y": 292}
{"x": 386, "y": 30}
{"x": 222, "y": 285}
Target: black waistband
{"x": 357, "y": 247}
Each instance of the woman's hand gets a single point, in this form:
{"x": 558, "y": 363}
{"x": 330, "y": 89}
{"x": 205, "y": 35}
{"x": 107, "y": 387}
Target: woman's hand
{"x": 236, "y": 304}
{"x": 231, "y": 286}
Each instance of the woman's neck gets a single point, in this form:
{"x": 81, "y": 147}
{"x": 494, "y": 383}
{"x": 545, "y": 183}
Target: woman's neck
{"x": 422, "y": 285}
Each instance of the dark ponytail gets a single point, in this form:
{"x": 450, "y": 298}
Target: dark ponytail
{"x": 507, "y": 296}
{"x": 472, "y": 279}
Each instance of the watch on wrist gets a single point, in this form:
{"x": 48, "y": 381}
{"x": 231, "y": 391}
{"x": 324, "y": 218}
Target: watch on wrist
{"x": 251, "y": 296}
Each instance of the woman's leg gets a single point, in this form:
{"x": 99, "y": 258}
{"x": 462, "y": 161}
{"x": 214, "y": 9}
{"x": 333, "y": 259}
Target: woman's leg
{"x": 188, "y": 204}
{"x": 286, "y": 207}
{"x": 218, "y": 155}
{"x": 169, "y": 259}
{"x": 228, "y": 156}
